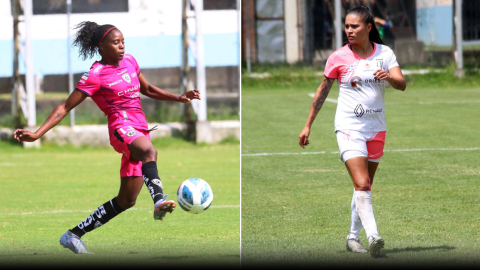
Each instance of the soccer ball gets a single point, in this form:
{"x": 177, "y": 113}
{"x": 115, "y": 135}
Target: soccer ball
{"x": 194, "y": 195}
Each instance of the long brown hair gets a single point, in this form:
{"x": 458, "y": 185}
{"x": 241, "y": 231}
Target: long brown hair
{"x": 364, "y": 13}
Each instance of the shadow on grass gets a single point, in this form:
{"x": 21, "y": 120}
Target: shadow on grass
{"x": 418, "y": 249}
{"x": 187, "y": 257}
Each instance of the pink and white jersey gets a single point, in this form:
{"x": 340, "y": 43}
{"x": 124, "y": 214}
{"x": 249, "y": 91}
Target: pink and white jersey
{"x": 361, "y": 104}
{"x": 116, "y": 91}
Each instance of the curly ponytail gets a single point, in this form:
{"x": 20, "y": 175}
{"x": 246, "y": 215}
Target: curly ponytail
{"x": 88, "y": 37}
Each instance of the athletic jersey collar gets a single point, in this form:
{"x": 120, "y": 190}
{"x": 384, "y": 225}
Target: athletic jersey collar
{"x": 120, "y": 64}
{"x": 358, "y": 56}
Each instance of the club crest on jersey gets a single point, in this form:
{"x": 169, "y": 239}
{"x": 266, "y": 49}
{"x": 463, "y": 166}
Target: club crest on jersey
{"x": 380, "y": 63}
{"x": 131, "y": 133}
{"x": 126, "y": 77}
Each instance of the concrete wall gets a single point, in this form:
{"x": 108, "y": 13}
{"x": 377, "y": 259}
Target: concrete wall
{"x": 435, "y": 22}
{"x": 152, "y": 31}
{"x": 97, "y": 135}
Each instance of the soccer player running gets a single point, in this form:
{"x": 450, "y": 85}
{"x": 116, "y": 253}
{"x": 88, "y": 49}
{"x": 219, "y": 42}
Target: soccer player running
{"x": 362, "y": 68}
{"x": 115, "y": 83}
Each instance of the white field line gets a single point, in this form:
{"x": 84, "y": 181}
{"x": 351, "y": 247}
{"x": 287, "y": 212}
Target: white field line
{"x": 91, "y": 211}
{"x": 406, "y": 103}
{"x": 337, "y": 152}
{"x": 279, "y": 154}
{"x": 10, "y": 164}
{"x": 430, "y": 103}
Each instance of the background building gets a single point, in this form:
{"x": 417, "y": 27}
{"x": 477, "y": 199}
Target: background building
{"x": 153, "y": 35}
{"x": 420, "y": 31}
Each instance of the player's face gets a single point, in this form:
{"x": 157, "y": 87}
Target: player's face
{"x": 113, "y": 47}
{"x": 356, "y": 29}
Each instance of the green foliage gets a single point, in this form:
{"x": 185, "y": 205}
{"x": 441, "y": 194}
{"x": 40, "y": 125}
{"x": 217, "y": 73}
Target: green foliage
{"x": 299, "y": 76}
{"x": 49, "y": 190}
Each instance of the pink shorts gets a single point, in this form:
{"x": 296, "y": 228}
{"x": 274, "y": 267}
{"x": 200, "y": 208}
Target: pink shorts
{"x": 356, "y": 143}
{"x": 120, "y": 138}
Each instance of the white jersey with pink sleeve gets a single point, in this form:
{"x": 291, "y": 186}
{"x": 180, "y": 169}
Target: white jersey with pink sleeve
{"x": 361, "y": 105}
{"x": 116, "y": 91}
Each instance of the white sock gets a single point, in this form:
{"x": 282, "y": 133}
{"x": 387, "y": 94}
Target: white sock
{"x": 355, "y": 223}
{"x": 363, "y": 201}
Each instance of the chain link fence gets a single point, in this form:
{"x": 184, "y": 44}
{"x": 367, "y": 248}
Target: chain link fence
{"x": 152, "y": 31}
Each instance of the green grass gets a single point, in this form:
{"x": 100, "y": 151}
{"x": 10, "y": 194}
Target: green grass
{"x": 296, "y": 208}
{"x": 49, "y": 190}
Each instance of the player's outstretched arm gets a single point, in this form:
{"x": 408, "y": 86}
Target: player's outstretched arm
{"x": 75, "y": 98}
{"x": 318, "y": 100}
{"x": 159, "y": 94}
{"x": 394, "y": 77}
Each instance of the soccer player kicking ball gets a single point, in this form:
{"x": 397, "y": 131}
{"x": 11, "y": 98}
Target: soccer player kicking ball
{"x": 361, "y": 67}
{"x": 115, "y": 83}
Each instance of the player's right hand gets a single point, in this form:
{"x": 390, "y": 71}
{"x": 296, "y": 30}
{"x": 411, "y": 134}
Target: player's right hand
{"x": 303, "y": 137}
{"x": 23, "y": 135}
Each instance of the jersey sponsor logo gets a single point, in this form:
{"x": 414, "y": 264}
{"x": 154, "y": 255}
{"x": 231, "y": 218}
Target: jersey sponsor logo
{"x": 121, "y": 72}
{"x": 85, "y": 75}
{"x": 370, "y": 111}
{"x": 115, "y": 82}
{"x": 135, "y": 95}
{"x": 131, "y": 133}
{"x": 133, "y": 88}
{"x": 371, "y": 81}
{"x": 341, "y": 54}
{"x": 157, "y": 182}
{"x": 359, "y": 110}
{"x": 152, "y": 192}
{"x": 97, "y": 69}
{"x": 99, "y": 212}
{"x": 126, "y": 77}
{"x": 133, "y": 75}
{"x": 82, "y": 81}
{"x": 356, "y": 83}
{"x": 368, "y": 67}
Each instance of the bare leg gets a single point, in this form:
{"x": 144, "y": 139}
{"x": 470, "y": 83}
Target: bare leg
{"x": 358, "y": 169}
{"x": 143, "y": 150}
{"x": 372, "y": 169}
{"x": 129, "y": 189}
{"x": 360, "y": 172}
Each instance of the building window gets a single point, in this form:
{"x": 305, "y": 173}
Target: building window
{"x": 45, "y": 7}
{"x": 216, "y": 4}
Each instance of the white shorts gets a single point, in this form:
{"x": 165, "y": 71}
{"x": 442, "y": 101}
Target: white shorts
{"x": 360, "y": 144}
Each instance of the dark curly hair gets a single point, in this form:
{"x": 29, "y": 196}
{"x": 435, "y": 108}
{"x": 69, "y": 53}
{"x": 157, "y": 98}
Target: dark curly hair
{"x": 88, "y": 37}
{"x": 364, "y": 13}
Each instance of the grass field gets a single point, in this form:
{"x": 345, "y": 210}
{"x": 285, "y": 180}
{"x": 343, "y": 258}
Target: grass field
{"x": 47, "y": 191}
{"x": 296, "y": 206}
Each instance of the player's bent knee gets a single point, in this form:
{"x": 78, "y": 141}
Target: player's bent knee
{"x": 150, "y": 154}
{"x": 126, "y": 203}
{"x": 363, "y": 184}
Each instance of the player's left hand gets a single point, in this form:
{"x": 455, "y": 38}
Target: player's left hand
{"x": 381, "y": 75}
{"x": 189, "y": 95}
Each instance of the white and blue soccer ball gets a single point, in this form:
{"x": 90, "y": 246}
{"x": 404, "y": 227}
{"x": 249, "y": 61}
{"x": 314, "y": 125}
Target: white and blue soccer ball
{"x": 194, "y": 195}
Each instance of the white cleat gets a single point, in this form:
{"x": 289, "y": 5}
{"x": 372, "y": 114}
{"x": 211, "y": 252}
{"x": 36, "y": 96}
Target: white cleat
{"x": 376, "y": 243}
{"x": 354, "y": 245}
{"x": 73, "y": 242}
{"x": 163, "y": 207}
